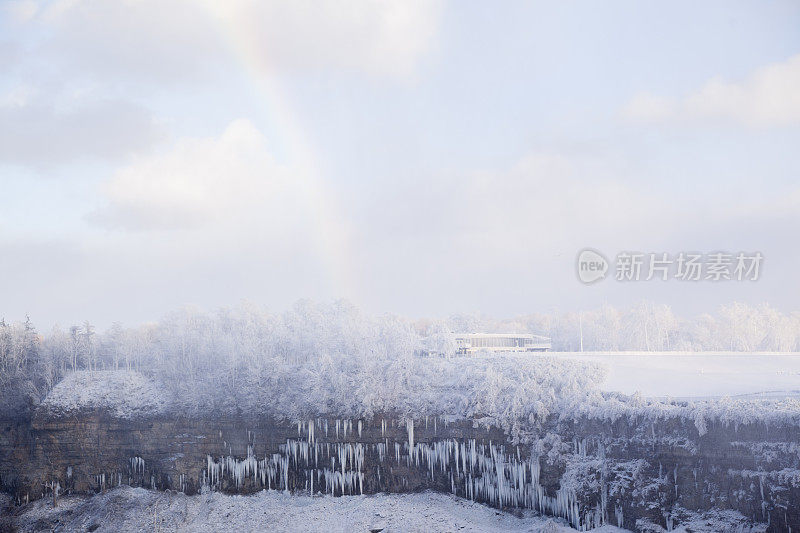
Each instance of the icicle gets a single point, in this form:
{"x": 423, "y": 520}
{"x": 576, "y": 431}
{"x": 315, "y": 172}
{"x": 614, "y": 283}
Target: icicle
{"x": 137, "y": 465}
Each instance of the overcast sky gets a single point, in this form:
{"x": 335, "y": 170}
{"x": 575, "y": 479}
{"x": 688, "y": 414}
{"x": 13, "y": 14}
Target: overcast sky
{"x": 419, "y": 158}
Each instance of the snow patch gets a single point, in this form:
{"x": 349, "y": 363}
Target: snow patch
{"x": 122, "y": 393}
{"x": 136, "y": 509}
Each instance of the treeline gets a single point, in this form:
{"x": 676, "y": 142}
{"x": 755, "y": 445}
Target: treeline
{"x": 645, "y": 327}
{"x": 239, "y": 343}
{"x": 651, "y": 327}
{"x": 188, "y": 346}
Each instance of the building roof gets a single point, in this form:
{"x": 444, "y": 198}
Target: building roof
{"x": 495, "y": 335}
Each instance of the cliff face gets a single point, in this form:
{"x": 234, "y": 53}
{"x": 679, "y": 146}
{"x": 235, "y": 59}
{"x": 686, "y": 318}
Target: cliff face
{"x": 93, "y": 452}
{"x": 635, "y": 474}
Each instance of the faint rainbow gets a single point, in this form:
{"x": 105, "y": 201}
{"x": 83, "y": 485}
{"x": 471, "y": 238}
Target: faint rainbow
{"x": 240, "y": 34}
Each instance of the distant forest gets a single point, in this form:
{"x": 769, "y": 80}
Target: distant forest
{"x": 649, "y": 327}
{"x": 232, "y": 342}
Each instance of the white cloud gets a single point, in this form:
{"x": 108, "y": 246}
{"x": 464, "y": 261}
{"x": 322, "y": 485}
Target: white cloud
{"x": 184, "y": 40}
{"x": 136, "y": 42}
{"x": 76, "y": 90}
{"x": 214, "y": 219}
{"x": 769, "y": 96}
{"x": 202, "y": 183}
{"x": 225, "y": 196}
{"x": 648, "y": 107}
{"x": 385, "y": 38}
{"x": 39, "y": 134}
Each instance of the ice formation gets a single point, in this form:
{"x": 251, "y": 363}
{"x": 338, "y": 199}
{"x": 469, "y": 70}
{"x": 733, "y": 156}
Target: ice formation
{"x": 493, "y": 473}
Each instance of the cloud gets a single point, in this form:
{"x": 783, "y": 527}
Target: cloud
{"x": 137, "y": 42}
{"x": 648, "y": 107}
{"x": 218, "y": 208}
{"x": 383, "y": 38}
{"x": 78, "y": 90}
{"x": 39, "y": 134}
{"x": 769, "y": 96}
{"x": 547, "y": 200}
{"x": 202, "y": 182}
{"x": 185, "y": 40}
{"x": 224, "y": 196}
{"x": 503, "y": 238}
{"x": 216, "y": 219}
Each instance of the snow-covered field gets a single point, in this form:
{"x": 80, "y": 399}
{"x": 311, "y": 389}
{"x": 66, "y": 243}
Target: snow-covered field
{"x": 135, "y": 509}
{"x": 697, "y": 375}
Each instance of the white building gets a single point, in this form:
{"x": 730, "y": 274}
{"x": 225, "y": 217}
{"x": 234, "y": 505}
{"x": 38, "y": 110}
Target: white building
{"x": 470, "y": 343}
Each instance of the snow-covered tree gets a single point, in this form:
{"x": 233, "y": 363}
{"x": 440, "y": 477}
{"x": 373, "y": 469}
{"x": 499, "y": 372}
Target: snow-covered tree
{"x": 439, "y": 340}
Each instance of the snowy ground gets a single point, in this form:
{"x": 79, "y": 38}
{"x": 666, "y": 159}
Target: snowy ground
{"x": 135, "y": 509}
{"x": 698, "y": 375}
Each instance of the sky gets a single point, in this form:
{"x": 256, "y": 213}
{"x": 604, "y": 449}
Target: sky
{"x": 422, "y": 158}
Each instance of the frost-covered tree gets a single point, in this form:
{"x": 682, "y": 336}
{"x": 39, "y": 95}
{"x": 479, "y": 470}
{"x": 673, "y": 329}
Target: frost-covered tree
{"x": 649, "y": 327}
{"x": 440, "y": 340}
{"x": 23, "y": 377}
{"x": 781, "y": 330}
{"x": 241, "y": 355}
{"x": 602, "y": 329}
{"x": 745, "y": 327}
{"x": 88, "y": 346}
